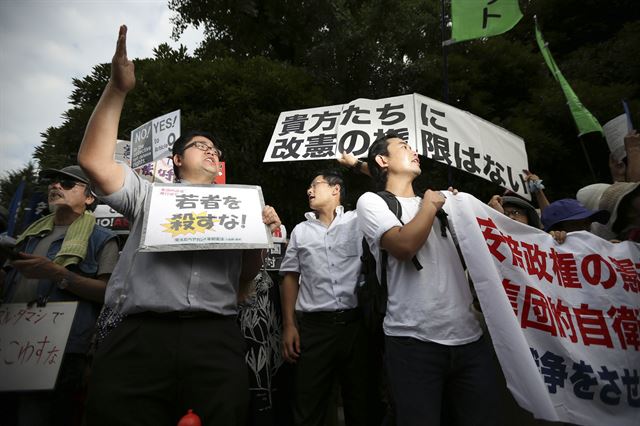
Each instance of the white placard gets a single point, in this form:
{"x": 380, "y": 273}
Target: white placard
{"x": 163, "y": 171}
{"x": 32, "y": 343}
{"x": 614, "y": 132}
{"x": 154, "y": 139}
{"x": 436, "y": 130}
{"x": 564, "y": 318}
{"x": 204, "y": 217}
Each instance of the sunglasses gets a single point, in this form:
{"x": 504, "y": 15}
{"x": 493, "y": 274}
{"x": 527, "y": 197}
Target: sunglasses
{"x": 65, "y": 183}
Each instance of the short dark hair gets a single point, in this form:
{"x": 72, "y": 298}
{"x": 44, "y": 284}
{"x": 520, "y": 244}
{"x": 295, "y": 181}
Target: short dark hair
{"x": 334, "y": 177}
{"x": 182, "y": 141}
{"x": 379, "y": 147}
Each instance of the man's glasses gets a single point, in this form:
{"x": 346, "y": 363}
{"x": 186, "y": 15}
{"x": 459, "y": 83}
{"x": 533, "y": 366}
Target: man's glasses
{"x": 65, "y": 183}
{"x": 203, "y": 146}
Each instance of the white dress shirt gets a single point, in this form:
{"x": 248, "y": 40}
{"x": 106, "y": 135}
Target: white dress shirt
{"x": 328, "y": 261}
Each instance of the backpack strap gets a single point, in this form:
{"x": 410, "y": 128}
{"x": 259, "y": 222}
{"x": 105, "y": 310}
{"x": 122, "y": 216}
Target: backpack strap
{"x": 396, "y": 208}
{"x": 443, "y": 219}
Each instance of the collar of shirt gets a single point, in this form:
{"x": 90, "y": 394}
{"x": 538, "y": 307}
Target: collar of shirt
{"x": 311, "y": 216}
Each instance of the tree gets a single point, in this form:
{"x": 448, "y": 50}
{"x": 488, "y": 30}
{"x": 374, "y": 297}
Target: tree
{"x": 262, "y": 57}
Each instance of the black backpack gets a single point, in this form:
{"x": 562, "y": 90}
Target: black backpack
{"x": 373, "y": 293}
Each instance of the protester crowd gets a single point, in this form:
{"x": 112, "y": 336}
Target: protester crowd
{"x": 157, "y": 333}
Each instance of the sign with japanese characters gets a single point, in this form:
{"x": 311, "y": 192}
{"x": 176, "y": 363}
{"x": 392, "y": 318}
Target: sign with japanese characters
{"x": 564, "y": 318}
{"x": 363, "y": 121}
{"x": 32, "y": 342}
{"x": 154, "y": 139}
{"x": 204, "y": 217}
{"x": 458, "y": 138}
{"x": 434, "y": 129}
{"x": 276, "y": 253}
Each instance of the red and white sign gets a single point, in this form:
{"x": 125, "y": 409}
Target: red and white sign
{"x": 564, "y": 318}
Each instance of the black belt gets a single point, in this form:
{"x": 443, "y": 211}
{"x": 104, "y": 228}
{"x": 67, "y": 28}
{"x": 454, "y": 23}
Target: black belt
{"x": 178, "y": 315}
{"x": 343, "y": 316}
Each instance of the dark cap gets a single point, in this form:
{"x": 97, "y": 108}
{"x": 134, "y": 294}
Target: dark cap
{"x": 532, "y": 214}
{"x": 570, "y": 209}
{"x": 73, "y": 172}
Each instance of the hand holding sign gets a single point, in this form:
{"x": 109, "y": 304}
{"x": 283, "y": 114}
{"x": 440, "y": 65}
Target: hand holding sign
{"x": 271, "y": 218}
{"x": 123, "y": 75}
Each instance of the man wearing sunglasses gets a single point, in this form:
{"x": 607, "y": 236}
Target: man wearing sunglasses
{"x": 179, "y": 346}
{"x": 63, "y": 256}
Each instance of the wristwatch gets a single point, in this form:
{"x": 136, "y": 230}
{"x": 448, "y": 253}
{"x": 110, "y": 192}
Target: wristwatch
{"x": 64, "y": 283}
{"x": 358, "y": 165}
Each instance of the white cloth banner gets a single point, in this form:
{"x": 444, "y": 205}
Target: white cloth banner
{"x": 434, "y": 129}
{"x": 204, "y": 217}
{"x": 564, "y": 318}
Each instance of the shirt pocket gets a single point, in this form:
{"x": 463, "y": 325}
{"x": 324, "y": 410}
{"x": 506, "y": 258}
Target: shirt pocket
{"x": 348, "y": 245}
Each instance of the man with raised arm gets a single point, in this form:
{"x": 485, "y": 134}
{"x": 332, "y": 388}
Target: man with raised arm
{"x": 434, "y": 349}
{"x": 179, "y": 346}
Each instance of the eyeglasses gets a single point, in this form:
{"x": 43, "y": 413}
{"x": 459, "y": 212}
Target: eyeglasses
{"x": 514, "y": 213}
{"x": 314, "y": 184}
{"x": 65, "y": 183}
{"x": 203, "y": 146}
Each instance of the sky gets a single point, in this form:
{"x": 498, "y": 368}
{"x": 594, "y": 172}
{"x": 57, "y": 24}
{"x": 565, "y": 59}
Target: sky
{"x": 44, "y": 44}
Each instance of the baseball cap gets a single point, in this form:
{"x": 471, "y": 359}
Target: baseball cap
{"x": 570, "y": 209}
{"x": 73, "y": 172}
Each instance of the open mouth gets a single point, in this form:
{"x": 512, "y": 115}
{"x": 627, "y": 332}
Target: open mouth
{"x": 54, "y": 195}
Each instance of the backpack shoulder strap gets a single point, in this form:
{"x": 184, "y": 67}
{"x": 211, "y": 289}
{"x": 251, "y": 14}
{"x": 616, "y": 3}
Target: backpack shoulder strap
{"x": 396, "y": 208}
{"x": 443, "y": 218}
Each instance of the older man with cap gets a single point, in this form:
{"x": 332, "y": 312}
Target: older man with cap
{"x": 517, "y": 209}
{"x": 64, "y": 256}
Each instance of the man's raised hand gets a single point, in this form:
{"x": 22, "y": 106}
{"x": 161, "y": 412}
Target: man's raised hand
{"x": 123, "y": 75}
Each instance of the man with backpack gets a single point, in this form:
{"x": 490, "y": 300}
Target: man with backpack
{"x": 323, "y": 331}
{"x": 438, "y": 364}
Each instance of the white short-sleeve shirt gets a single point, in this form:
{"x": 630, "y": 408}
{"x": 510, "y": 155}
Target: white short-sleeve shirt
{"x": 433, "y": 304}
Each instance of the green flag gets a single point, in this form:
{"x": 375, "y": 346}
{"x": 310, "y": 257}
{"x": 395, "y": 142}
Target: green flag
{"x": 585, "y": 122}
{"x": 482, "y": 18}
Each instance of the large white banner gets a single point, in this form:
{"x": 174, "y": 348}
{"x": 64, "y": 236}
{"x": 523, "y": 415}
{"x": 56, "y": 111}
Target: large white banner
{"x": 32, "y": 342}
{"x": 564, "y": 318}
{"x": 434, "y": 129}
{"x": 462, "y": 140}
{"x": 204, "y": 217}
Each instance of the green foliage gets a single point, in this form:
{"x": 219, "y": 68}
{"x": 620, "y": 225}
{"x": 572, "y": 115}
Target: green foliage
{"x": 262, "y": 57}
